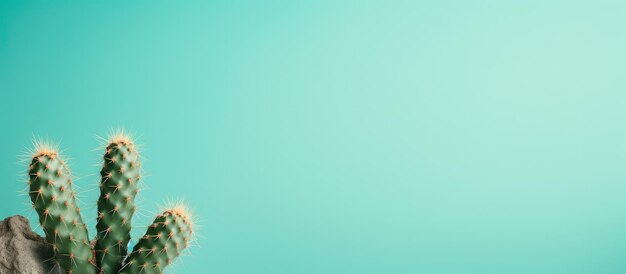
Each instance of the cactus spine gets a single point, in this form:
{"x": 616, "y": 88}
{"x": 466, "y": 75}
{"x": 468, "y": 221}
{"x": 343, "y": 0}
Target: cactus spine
{"x": 165, "y": 239}
{"x": 118, "y": 188}
{"x": 50, "y": 190}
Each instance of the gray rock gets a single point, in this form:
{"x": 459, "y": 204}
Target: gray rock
{"x": 22, "y": 251}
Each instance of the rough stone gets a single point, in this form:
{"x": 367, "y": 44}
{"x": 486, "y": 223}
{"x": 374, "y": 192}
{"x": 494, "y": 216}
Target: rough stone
{"x": 22, "y": 251}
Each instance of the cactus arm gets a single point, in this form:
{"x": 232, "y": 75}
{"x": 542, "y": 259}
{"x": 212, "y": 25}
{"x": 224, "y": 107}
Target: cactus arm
{"x": 118, "y": 188}
{"x": 164, "y": 240}
{"x": 50, "y": 190}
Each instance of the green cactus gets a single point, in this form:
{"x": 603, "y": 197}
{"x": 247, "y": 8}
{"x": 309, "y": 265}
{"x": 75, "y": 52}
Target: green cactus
{"x": 118, "y": 188}
{"x": 50, "y": 190}
{"x": 165, "y": 239}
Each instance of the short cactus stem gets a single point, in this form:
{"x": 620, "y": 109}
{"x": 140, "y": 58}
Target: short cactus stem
{"x": 164, "y": 241}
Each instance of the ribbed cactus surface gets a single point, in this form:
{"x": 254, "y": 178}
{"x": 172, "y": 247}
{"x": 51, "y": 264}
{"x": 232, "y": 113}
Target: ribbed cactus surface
{"x": 116, "y": 205}
{"x": 50, "y": 190}
{"x": 164, "y": 240}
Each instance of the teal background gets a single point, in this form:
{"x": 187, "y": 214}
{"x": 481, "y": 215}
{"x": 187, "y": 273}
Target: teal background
{"x": 340, "y": 136}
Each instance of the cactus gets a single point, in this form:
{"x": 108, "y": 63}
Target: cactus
{"x": 165, "y": 239}
{"x": 118, "y": 188}
{"x": 50, "y": 190}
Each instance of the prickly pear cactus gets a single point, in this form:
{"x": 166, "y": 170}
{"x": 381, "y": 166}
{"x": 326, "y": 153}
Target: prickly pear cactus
{"x": 165, "y": 239}
{"x": 116, "y": 205}
{"x": 50, "y": 190}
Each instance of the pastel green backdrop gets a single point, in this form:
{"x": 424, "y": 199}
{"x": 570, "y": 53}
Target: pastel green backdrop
{"x": 341, "y": 136}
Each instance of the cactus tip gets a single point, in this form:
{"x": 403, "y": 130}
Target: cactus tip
{"x": 44, "y": 147}
{"x": 119, "y": 136}
{"x": 181, "y": 209}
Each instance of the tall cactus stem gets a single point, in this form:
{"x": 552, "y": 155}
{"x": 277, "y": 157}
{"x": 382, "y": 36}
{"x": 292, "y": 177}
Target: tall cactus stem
{"x": 120, "y": 176}
{"x": 50, "y": 190}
